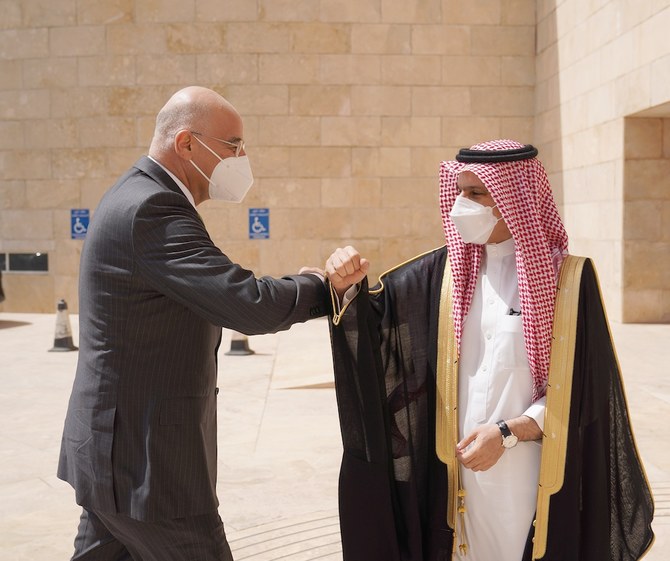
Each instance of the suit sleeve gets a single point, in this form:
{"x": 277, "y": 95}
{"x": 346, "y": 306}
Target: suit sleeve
{"x": 175, "y": 255}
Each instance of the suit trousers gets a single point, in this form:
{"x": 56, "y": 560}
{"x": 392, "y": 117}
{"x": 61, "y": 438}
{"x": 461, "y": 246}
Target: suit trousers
{"x": 115, "y": 537}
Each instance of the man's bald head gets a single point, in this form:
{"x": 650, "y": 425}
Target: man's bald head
{"x": 193, "y": 108}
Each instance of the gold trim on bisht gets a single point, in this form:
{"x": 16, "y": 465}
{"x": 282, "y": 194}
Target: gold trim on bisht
{"x": 446, "y": 433}
{"x": 559, "y": 393}
{"x": 339, "y": 312}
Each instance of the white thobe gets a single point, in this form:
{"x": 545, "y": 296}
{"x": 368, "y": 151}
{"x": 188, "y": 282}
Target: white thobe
{"x": 495, "y": 384}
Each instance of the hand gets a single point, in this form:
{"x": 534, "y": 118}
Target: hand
{"x": 345, "y": 267}
{"x": 485, "y": 448}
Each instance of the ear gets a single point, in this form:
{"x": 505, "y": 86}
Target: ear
{"x": 182, "y": 144}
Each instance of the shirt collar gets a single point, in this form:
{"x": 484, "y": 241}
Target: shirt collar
{"x": 186, "y": 192}
{"x": 499, "y": 250}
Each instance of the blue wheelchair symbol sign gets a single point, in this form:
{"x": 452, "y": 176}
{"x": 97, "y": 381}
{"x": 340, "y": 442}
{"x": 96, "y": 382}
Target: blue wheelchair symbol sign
{"x": 259, "y": 223}
{"x": 79, "y": 218}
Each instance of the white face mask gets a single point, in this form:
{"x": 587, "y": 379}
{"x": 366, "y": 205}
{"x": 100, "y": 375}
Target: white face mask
{"x": 231, "y": 178}
{"x": 474, "y": 222}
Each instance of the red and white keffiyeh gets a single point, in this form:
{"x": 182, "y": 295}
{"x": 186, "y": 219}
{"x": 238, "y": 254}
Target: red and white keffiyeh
{"x": 523, "y": 195}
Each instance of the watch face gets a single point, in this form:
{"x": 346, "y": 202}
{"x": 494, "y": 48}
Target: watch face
{"x": 510, "y": 441}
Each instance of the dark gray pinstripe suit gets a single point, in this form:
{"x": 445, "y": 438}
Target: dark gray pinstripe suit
{"x": 140, "y": 430}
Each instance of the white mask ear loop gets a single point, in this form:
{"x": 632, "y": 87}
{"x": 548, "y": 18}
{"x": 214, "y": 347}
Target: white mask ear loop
{"x": 196, "y": 165}
{"x": 208, "y": 148}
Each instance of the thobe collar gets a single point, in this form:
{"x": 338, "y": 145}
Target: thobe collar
{"x": 499, "y": 250}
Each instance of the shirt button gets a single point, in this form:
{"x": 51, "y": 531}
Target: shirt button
{"x": 490, "y": 301}
{"x": 488, "y": 336}
{"x": 485, "y": 368}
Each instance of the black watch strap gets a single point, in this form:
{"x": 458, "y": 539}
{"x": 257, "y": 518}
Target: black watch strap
{"x": 504, "y": 429}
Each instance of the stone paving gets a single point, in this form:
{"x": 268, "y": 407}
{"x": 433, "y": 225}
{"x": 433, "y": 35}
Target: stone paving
{"x": 279, "y": 441}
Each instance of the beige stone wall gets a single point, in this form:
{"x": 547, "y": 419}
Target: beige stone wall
{"x": 599, "y": 62}
{"x": 646, "y": 220}
{"x": 348, "y": 107}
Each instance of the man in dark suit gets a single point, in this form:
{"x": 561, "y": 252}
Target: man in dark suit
{"x": 139, "y": 443}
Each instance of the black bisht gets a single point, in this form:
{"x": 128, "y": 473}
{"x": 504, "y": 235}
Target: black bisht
{"x": 393, "y": 489}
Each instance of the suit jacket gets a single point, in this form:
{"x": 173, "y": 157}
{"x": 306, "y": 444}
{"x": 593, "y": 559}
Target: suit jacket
{"x": 154, "y": 292}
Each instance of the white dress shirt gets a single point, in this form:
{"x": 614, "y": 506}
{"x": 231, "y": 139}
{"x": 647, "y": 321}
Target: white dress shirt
{"x": 495, "y": 384}
{"x": 186, "y": 192}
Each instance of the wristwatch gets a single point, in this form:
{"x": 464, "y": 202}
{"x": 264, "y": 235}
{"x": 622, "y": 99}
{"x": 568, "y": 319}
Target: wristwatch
{"x": 509, "y": 440}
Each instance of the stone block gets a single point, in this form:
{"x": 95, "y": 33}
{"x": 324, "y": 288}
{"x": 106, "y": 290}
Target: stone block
{"x": 350, "y": 131}
{"x": 643, "y": 138}
{"x": 288, "y": 68}
{"x": 52, "y": 194}
{"x": 518, "y": 71}
{"x": 144, "y": 131}
{"x": 503, "y": 41}
{"x": 503, "y": 101}
{"x": 517, "y": 128}
{"x": 257, "y": 37}
{"x": 646, "y": 306}
{"x": 646, "y": 264}
{"x": 27, "y": 224}
{"x": 289, "y": 10}
{"x": 106, "y": 70}
{"x": 12, "y": 196}
{"x": 24, "y": 104}
{"x": 381, "y": 100}
{"x": 351, "y": 192}
{"x": 289, "y": 192}
{"x": 352, "y": 11}
{"x": 471, "y": 70}
{"x": 137, "y": 39}
{"x": 29, "y": 291}
{"x": 320, "y": 100}
{"x": 647, "y": 179}
{"x": 272, "y": 161}
{"x": 252, "y": 99}
{"x": 410, "y": 131}
{"x": 349, "y": 69}
{"x": 441, "y": 101}
{"x": 320, "y": 37}
{"x": 109, "y": 12}
{"x": 48, "y": 13}
{"x": 196, "y": 38}
{"x": 411, "y": 70}
{"x": 472, "y": 12}
{"x": 643, "y": 221}
{"x": 425, "y": 161}
{"x": 156, "y": 69}
{"x": 24, "y": 164}
{"x": 226, "y": 69}
{"x": 119, "y": 160}
{"x": 226, "y": 10}
{"x": 11, "y": 14}
{"x": 24, "y": 43}
{"x": 666, "y": 138}
{"x": 11, "y": 72}
{"x": 451, "y": 40}
{"x": 289, "y": 131}
{"x": 385, "y": 38}
{"x": 85, "y": 41}
{"x": 320, "y": 162}
{"x": 76, "y": 103}
{"x": 50, "y": 73}
{"x": 383, "y": 223}
{"x": 107, "y": 132}
{"x": 412, "y": 192}
{"x": 11, "y": 135}
{"x": 468, "y": 131}
{"x": 134, "y": 101}
{"x": 518, "y": 12}
{"x": 76, "y": 163}
{"x": 52, "y": 133}
{"x": 660, "y": 81}
{"x": 410, "y": 11}
{"x": 381, "y": 162}
{"x": 164, "y": 11}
